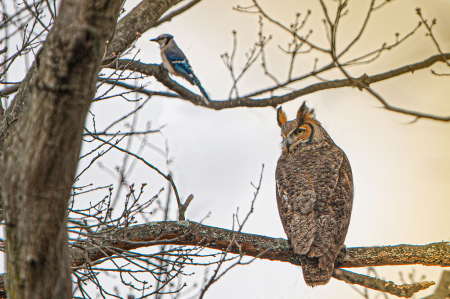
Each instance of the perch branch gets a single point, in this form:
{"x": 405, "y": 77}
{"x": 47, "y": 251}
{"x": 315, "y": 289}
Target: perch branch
{"x": 276, "y": 249}
{"x": 195, "y": 234}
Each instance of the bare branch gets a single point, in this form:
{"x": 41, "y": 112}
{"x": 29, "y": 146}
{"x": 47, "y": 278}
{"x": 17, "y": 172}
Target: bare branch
{"x": 430, "y": 33}
{"x": 167, "y": 177}
{"x": 137, "y": 21}
{"x": 363, "y": 27}
{"x": 141, "y": 89}
{"x": 162, "y": 75}
{"x": 123, "y": 134}
{"x": 195, "y": 234}
{"x": 175, "y": 13}
{"x": 260, "y": 10}
{"x": 183, "y": 208}
{"x": 405, "y": 290}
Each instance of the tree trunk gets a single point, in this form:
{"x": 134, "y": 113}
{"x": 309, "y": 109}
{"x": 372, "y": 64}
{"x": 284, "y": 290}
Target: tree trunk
{"x": 41, "y": 154}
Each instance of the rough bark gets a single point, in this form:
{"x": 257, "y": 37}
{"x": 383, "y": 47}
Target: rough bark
{"x": 136, "y": 22}
{"x": 275, "y": 249}
{"x": 403, "y": 290}
{"x": 190, "y": 233}
{"x": 41, "y": 154}
{"x": 251, "y": 100}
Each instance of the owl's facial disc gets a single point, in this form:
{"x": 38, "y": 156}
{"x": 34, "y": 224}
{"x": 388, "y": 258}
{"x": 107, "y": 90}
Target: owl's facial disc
{"x": 298, "y": 136}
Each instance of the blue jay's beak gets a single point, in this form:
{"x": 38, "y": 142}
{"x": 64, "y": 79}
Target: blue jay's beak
{"x": 154, "y": 40}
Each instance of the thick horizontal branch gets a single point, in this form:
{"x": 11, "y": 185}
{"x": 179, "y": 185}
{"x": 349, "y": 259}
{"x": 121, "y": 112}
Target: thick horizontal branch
{"x": 162, "y": 76}
{"x": 276, "y": 249}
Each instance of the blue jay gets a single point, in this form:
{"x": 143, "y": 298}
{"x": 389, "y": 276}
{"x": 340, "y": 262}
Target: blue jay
{"x": 176, "y": 63}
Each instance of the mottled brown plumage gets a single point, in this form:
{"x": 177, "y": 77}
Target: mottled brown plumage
{"x": 314, "y": 194}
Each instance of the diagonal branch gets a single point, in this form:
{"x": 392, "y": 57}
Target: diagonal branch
{"x": 170, "y": 16}
{"x": 137, "y": 21}
{"x": 404, "y": 290}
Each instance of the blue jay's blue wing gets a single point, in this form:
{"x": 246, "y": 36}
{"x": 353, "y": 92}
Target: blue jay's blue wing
{"x": 185, "y": 71}
{"x": 179, "y": 63}
{"x": 181, "y": 66}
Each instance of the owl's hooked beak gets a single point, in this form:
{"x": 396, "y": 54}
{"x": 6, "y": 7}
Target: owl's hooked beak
{"x": 288, "y": 141}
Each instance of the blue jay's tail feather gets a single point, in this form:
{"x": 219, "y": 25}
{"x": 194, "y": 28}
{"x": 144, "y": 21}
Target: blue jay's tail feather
{"x": 202, "y": 90}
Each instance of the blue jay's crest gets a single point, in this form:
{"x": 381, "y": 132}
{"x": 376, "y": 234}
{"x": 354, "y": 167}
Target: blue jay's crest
{"x": 176, "y": 62}
{"x": 165, "y": 36}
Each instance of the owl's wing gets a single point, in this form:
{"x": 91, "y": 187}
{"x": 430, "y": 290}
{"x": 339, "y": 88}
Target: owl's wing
{"x": 309, "y": 206}
{"x": 295, "y": 206}
{"x": 334, "y": 209}
{"x": 296, "y": 198}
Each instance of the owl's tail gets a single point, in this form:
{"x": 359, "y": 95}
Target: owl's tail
{"x": 313, "y": 274}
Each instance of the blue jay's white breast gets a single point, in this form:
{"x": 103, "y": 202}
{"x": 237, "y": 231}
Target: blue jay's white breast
{"x": 167, "y": 64}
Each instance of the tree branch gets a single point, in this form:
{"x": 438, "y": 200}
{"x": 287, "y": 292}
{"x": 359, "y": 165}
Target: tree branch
{"x": 137, "y": 21}
{"x": 140, "y": 19}
{"x": 195, "y": 234}
{"x": 162, "y": 76}
{"x": 175, "y": 13}
{"x": 190, "y": 233}
{"x": 404, "y": 290}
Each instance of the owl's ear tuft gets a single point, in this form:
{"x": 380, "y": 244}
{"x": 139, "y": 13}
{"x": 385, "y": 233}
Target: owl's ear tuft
{"x": 304, "y": 112}
{"x": 281, "y": 116}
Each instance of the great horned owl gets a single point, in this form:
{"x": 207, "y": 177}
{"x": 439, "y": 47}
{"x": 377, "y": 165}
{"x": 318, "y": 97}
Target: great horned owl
{"x": 314, "y": 193}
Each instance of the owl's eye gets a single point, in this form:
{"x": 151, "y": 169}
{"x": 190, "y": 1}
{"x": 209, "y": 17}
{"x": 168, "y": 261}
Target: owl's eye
{"x": 300, "y": 131}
